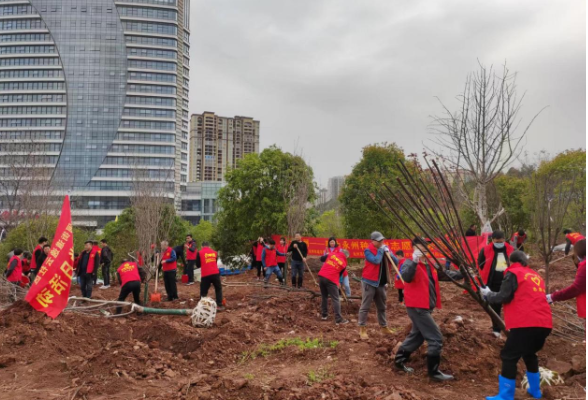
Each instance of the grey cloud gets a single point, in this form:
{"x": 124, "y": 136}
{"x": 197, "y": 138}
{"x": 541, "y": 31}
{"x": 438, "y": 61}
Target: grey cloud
{"x": 336, "y": 75}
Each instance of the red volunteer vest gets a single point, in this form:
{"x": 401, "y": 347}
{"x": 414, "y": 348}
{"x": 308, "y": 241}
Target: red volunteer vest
{"x": 91, "y": 260}
{"x": 191, "y": 255}
{"x": 520, "y": 239}
{"x": 166, "y": 256}
{"x": 208, "y": 262}
{"x": 397, "y": 281}
{"x": 26, "y": 266}
{"x": 574, "y": 237}
{"x": 332, "y": 267}
{"x": 129, "y": 272}
{"x": 282, "y": 249}
{"x": 140, "y": 259}
{"x": 371, "y": 271}
{"x": 336, "y": 249}
{"x": 34, "y": 258}
{"x": 489, "y": 255}
{"x": 17, "y": 273}
{"x": 528, "y": 308}
{"x": 581, "y": 299}
{"x": 258, "y": 251}
{"x": 271, "y": 258}
{"x": 416, "y": 293}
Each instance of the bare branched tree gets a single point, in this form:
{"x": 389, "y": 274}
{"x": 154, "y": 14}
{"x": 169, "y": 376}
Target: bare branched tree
{"x": 482, "y": 138}
{"x": 551, "y": 195}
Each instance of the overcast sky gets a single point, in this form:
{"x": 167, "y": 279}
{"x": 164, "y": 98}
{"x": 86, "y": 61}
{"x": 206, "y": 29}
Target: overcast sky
{"x": 337, "y": 75}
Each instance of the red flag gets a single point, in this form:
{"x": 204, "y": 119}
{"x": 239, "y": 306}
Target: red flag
{"x": 50, "y": 290}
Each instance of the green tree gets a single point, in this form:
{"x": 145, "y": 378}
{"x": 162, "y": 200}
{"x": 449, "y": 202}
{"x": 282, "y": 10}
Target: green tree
{"x": 379, "y": 163}
{"x": 330, "y": 223}
{"x": 253, "y": 203}
{"x": 511, "y": 192}
{"x": 203, "y": 232}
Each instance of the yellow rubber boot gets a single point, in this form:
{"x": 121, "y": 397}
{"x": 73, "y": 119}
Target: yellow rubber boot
{"x": 363, "y": 335}
{"x": 387, "y": 331}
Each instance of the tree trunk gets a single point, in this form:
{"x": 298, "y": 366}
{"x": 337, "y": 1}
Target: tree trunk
{"x": 481, "y": 203}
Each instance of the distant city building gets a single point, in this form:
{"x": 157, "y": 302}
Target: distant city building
{"x": 334, "y": 187}
{"x": 199, "y": 201}
{"x": 216, "y": 143}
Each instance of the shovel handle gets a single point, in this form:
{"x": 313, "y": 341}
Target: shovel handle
{"x": 393, "y": 266}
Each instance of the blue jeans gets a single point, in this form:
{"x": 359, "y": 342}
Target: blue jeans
{"x": 345, "y": 284}
{"x": 271, "y": 270}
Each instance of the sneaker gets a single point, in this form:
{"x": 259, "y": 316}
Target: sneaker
{"x": 221, "y": 308}
{"x": 105, "y": 287}
{"x": 345, "y": 321}
{"x": 324, "y": 318}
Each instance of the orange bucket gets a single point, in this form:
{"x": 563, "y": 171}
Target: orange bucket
{"x": 155, "y": 297}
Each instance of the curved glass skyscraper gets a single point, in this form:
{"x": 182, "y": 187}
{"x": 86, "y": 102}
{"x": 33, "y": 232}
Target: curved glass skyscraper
{"x": 99, "y": 89}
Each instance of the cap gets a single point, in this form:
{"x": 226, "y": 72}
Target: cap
{"x": 377, "y": 236}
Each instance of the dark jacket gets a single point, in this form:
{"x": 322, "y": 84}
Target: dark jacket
{"x": 295, "y": 254}
{"x": 106, "y": 255}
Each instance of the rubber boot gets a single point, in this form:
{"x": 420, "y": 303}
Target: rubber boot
{"x": 434, "y": 373}
{"x": 401, "y": 357}
{"x": 387, "y": 331}
{"x": 363, "y": 335}
{"x": 534, "y": 384}
{"x": 506, "y": 389}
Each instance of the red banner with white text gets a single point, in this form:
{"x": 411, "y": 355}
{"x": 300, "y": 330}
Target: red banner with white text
{"x": 50, "y": 289}
{"x": 356, "y": 247}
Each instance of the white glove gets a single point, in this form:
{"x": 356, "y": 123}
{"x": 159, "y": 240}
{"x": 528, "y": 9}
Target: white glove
{"x": 416, "y": 256}
{"x": 386, "y": 249}
{"x": 549, "y": 300}
{"x": 485, "y": 291}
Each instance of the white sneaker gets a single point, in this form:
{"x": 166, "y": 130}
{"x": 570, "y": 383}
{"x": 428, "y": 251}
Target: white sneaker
{"x": 496, "y": 334}
{"x": 104, "y": 287}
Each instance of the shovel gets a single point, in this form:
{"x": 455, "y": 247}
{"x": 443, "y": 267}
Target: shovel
{"x": 156, "y": 297}
{"x": 305, "y": 263}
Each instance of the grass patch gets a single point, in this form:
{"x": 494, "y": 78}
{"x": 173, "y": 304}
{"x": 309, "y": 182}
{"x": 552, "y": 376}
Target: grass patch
{"x": 249, "y": 377}
{"x": 264, "y": 350}
{"x": 318, "y": 376}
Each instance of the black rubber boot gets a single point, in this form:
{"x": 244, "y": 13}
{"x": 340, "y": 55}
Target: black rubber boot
{"x": 434, "y": 373}
{"x": 401, "y": 357}
{"x": 299, "y": 281}
{"x": 294, "y": 282}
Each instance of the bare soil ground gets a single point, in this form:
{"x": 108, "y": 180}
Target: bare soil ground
{"x": 164, "y": 357}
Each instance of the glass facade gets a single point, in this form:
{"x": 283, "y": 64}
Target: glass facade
{"x": 102, "y": 84}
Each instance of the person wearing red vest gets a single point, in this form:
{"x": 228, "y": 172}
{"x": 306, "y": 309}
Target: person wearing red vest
{"x": 269, "y": 259}
{"x": 398, "y": 284}
{"x": 26, "y": 263}
{"x": 375, "y": 278}
{"x": 258, "y": 264}
{"x": 13, "y": 272}
{"x": 36, "y": 254}
{"x": 571, "y": 239}
{"x": 89, "y": 262}
{"x": 421, "y": 296}
{"x": 191, "y": 252}
{"x": 334, "y": 247}
{"x": 518, "y": 240}
{"x": 282, "y": 248}
{"x": 207, "y": 261}
{"x": 98, "y": 251}
{"x": 130, "y": 282}
{"x": 578, "y": 288}
{"x": 169, "y": 265}
{"x": 493, "y": 260}
{"x": 334, "y": 265}
{"x": 528, "y": 318}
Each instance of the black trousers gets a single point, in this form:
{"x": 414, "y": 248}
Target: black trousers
{"x": 106, "y": 273}
{"x": 86, "y": 283}
{"x": 260, "y": 269}
{"x": 190, "y": 264}
{"x": 495, "y": 287}
{"x": 169, "y": 279}
{"x": 400, "y": 295}
{"x": 133, "y": 287}
{"x": 282, "y": 266}
{"x": 522, "y": 343}
{"x": 329, "y": 289}
{"x": 206, "y": 282}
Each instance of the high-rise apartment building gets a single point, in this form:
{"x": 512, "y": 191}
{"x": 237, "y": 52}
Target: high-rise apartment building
{"x": 334, "y": 187}
{"x": 216, "y": 143}
{"x": 93, "y": 91}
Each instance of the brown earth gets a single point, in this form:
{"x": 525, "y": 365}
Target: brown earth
{"x": 164, "y": 357}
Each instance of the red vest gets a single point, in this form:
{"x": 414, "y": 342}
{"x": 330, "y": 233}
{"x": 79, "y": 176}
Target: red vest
{"x": 282, "y": 249}
{"x": 331, "y": 269}
{"x": 34, "y": 258}
{"x": 128, "y": 272}
{"x": 397, "y": 281}
{"x": 166, "y": 256}
{"x": 17, "y": 272}
{"x": 271, "y": 258}
{"x": 91, "y": 259}
{"x": 258, "y": 251}
{"x": 528, "y": 308}
{"x": 26, "y": 266}
{"x": 581, "y": 299}
{"x": 140, "y": 259}
{"x": 208, "y": 262}
{"x": 416, "y": 293}
{"x": 191, "y": 255}
{"x": 574, "y": 237}
{"x": 371, "y": 271}
{"x": 489, "y": 255}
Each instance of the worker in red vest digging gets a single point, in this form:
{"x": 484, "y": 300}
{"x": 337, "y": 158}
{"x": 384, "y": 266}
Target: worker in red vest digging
{"x": 169, "y": 265}
{"x": 374, "y": 281}
{"x": 571, "y": 239}
{"x": 207, "y": 261}
{"x": 493, "y": 260}
{"x": 13, "y": 272}
{"x": 258, "y": 264}
{"x": 398, "y": 284}
{"x": 578, "y": 288}
{"x": 191, "y": 252}
{"x": 334, "y": 264}
{"x": 518, "y": 239}
{"x": 130, "y": 282}
{"x": 421, "y": 296}
{"x": 527, "y": 316}
{"x": 282, "y": 248}
{"x": 333, "y": 246}
{"x": 269, "y": 259}
{"x": 35, "y": 266}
